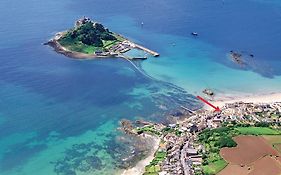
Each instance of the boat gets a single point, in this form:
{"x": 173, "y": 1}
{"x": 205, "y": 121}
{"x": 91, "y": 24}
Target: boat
{"x": 194, "y": 33}
{"x": 139, "y": 58}
{"x": 208, "y": 92}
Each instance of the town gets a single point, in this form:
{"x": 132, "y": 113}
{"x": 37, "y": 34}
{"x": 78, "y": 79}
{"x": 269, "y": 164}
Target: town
{"x": 180, "y": 151}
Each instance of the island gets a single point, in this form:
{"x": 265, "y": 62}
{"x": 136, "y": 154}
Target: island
{"x": 90, "y": 39}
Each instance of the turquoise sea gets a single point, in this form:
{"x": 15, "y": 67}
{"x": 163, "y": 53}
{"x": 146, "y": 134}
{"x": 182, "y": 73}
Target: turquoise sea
{"x": 60, "y": 115}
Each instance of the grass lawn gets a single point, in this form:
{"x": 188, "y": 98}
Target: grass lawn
{"x": 108, "y": 44}
{"x": 214, "y": 167}
{"x": 152, "y": 169}
{"x": 257, "y": 131}
{"x": 78, "y": 46}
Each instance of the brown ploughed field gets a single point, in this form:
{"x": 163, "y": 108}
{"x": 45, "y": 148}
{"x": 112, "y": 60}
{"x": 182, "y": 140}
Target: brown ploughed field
{"x": 266, "y": 165}
{"x": 248, "y": 150}
{"x": 253, "y": 155}
{"x": 234, "y": 170}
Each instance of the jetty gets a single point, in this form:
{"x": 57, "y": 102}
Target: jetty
{"x": 155, "y": 54}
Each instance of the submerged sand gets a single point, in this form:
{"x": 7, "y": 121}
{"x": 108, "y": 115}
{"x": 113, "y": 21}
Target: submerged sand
{"x": 139, "y": 168}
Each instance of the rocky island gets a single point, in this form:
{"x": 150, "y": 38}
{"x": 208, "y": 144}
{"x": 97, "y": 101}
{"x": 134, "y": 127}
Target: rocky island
{"x": 90, "y": 39}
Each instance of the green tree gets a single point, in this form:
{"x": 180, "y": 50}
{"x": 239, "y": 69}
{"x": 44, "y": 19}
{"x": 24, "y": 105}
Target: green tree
{"x": 225, "y": 142}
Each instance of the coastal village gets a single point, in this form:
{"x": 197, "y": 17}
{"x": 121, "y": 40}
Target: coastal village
{"x": 181, "y": 153}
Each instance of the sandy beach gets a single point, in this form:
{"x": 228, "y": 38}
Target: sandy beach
{"x": 221, "y": 100}
{"x": 138, "y": 169}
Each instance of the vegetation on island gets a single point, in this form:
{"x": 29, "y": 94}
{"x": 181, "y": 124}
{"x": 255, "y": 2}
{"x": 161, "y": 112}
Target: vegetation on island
{"x": 215, "y": 139}
{"x": 148, "y": 129}
{"x": 89, "y": 37}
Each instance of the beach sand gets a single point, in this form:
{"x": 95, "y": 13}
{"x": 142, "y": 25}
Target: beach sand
{"x": 221, "y": 100}
{"x": 138, "y": 169}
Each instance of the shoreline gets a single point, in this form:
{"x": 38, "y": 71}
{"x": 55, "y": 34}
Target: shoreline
{"x": 139, "y": 168}
{"x": 223, "y": 99}
{"x": 72, "y": 54}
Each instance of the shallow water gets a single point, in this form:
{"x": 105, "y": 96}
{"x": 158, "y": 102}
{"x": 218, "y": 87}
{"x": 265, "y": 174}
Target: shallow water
{"x": 57, "y": 112}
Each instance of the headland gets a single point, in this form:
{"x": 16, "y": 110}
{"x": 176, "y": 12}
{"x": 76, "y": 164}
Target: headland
{"x": 90, "y": 39}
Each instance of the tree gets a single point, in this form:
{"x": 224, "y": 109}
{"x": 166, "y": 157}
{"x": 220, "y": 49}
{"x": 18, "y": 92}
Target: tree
{"x": 262, "y": 124}
{"x": 91, "y": 39}
{"x": 99, "y": 27}
{"x": 107, "y": 36}
{"x": 225, "y": 142}
{"x": 85, "y": 28}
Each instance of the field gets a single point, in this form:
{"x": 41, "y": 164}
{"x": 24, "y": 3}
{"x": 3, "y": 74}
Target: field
{"x": 215, "y": 167}
{"x": 222, "y": 143}
{"x": 277, "y": 147}
{"x": 275, "y": 141}
{"x": 267, "y": 165}
{"x": 234, "y": 169}
{"x": 257, "y": 131}
{"x": 78, "y": 46}
{"x": 247, "y": 150}
{"x": 249, "y": 159}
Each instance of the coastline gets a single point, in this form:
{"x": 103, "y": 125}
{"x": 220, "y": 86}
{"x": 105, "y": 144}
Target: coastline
{"x": 72, "y": 54}
{"x": 139, "y": 168}
{"x": 221, "y": 100}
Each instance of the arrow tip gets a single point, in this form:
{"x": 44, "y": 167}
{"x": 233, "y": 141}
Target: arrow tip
{"x": 217, "y": 109}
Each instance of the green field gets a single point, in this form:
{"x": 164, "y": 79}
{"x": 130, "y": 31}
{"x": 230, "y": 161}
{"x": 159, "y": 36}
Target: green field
{"x": 215, "y": 167}
{"x": 108, "y": 44}
{"x": 257, "y": 131}
{"x": 78, "y": 46}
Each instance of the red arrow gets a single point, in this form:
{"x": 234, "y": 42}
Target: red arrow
{"x": 205, "y": 101}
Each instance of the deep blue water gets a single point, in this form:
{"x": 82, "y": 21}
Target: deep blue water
{"x": 57, "y": 114}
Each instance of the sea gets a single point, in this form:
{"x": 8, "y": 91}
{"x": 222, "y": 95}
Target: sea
{"x": 60, "y": 116}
